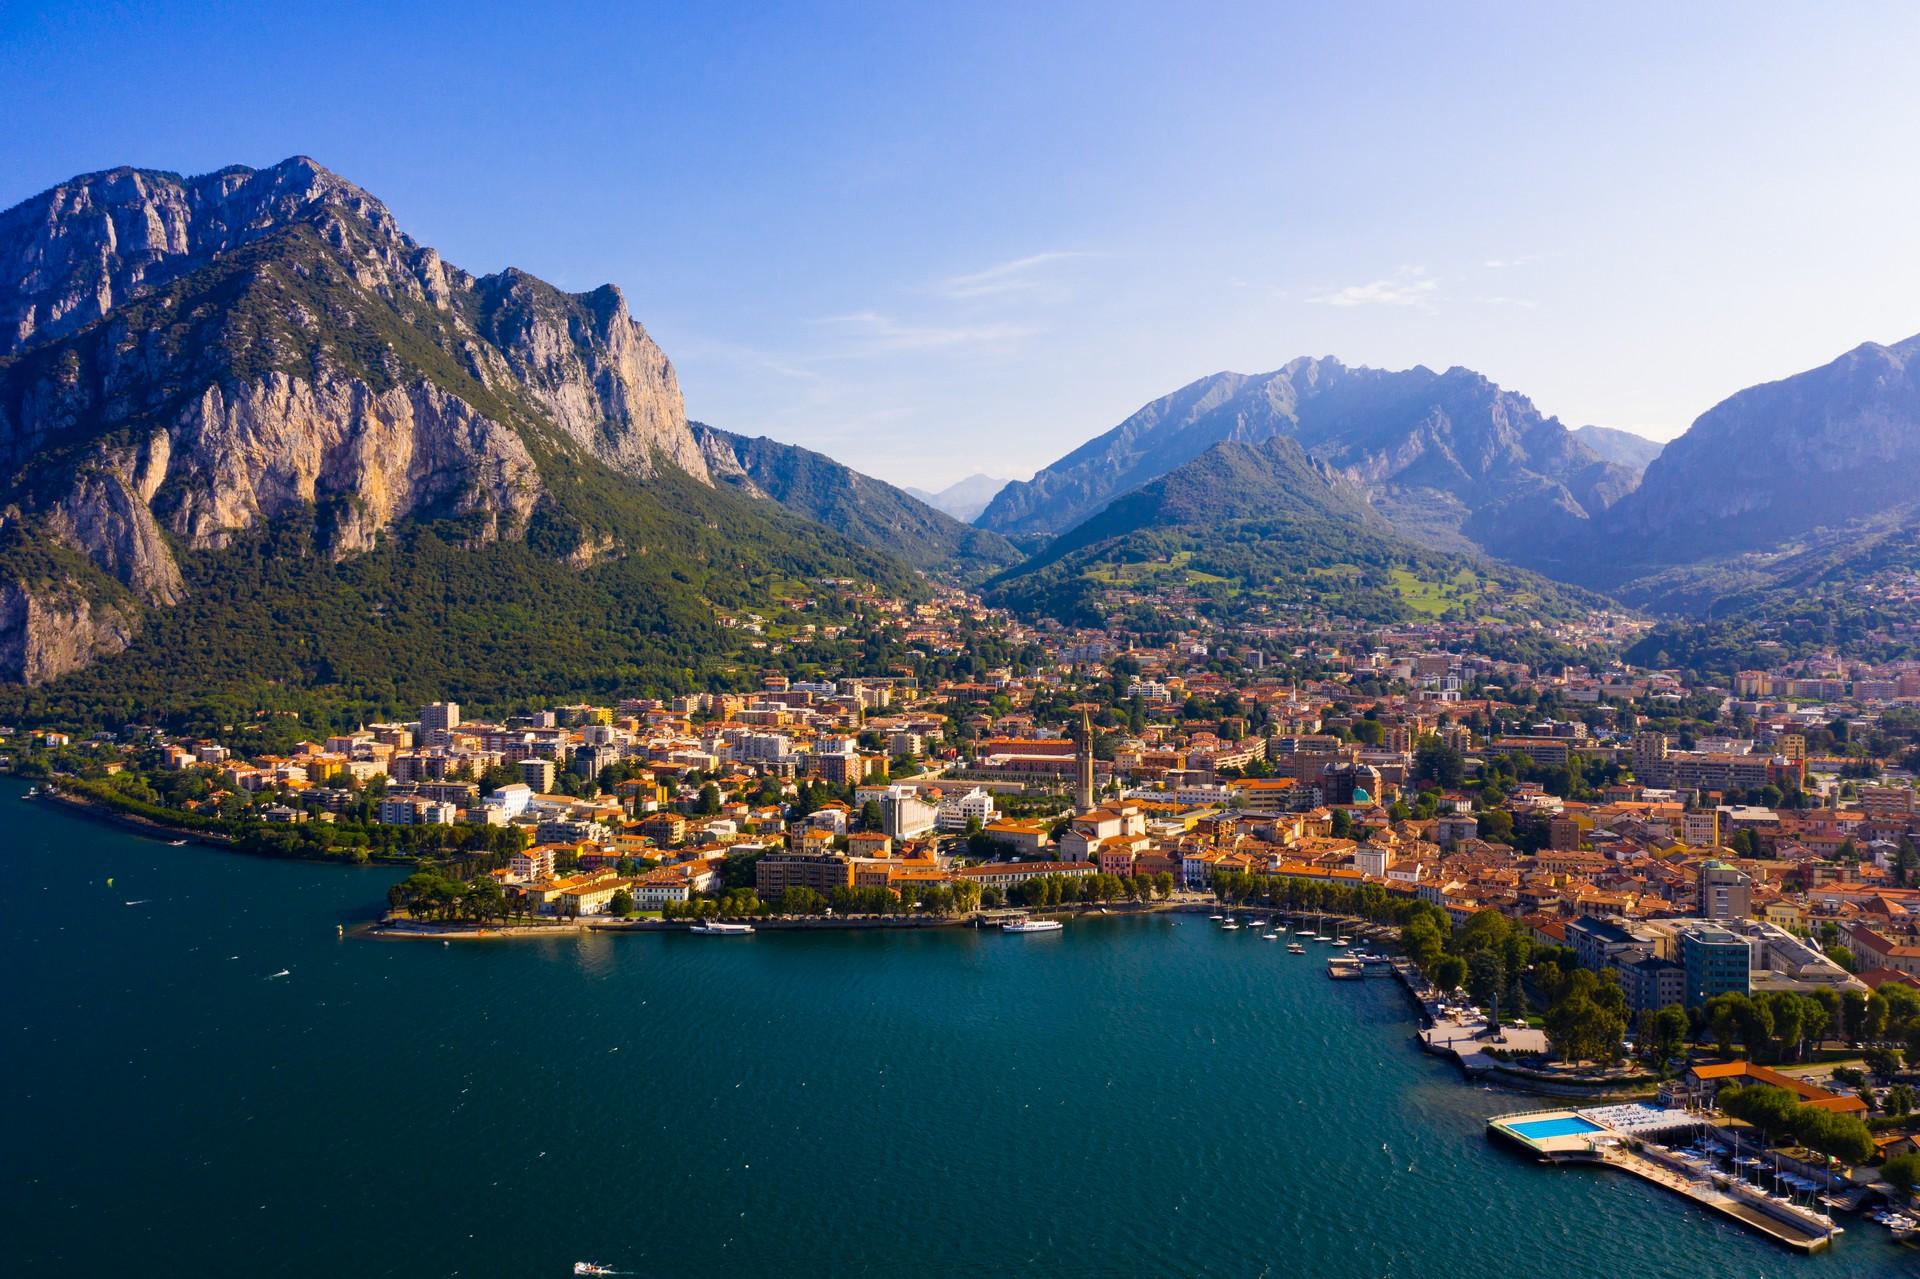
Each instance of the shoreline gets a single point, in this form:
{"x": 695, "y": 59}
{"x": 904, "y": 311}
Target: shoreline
{"x": 95, "y": 810}
{"x": 388, "y": 927}
{"x": 391, "y": 927}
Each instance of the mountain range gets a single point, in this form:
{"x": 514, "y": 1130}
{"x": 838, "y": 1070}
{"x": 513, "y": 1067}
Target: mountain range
{"x": 963, "y": 499}
{"x": 1622, "y": 448}
{"x": 255, "y": 437}
{"x": 1818, "y": 473}
{"x": 1452, "y": 459}
{"x": 1253, "y": 527}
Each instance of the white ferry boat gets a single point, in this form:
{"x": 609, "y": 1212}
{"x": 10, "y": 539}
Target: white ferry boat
{"x": 1031, "y": 926}
{"x": 718, "y": 929}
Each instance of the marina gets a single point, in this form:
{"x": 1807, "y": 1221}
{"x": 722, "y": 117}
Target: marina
{"x": 1631, "y": 1138}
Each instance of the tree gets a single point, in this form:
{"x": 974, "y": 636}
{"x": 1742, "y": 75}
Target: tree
{"x": 1842, "y": 956}
{"x": 1588, "y": 1022}
{"x": 1663, "y": 1036}
{"x": 1439, "y": 763}
{"x": 1448, "y": 971}
{"x": 1485, "y": 977}
{"x": 1772, "y": 1110}
{"x": 1902, "y": 1172}
{"x": 484, "y": 900}
{"x": 621, "y": 903}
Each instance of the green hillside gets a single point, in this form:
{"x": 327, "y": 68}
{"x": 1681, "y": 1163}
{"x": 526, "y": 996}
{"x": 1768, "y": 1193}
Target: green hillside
{"x": 1244, "y": 528}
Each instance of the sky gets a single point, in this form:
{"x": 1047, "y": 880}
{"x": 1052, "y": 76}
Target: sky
{"x": 935, "y": 240}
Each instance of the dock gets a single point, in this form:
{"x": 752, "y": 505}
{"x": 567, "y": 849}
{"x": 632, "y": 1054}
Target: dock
{"x": 1618, "y": 1137}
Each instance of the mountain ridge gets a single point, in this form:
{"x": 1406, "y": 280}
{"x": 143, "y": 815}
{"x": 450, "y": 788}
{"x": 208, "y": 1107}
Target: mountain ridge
{"x": 1452, "y": 458}
{"x": 868, "y": 510}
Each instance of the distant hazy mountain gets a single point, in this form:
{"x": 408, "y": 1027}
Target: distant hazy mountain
{"x": 1259, "y": 526}
{"x": 1451, "y": 458}
{"x": 964, "y": 499}
{"x": 867, "y": 510}
{"x": 1777, "y": 467}
{"x": 1622, "y": 448}
{"x": 258, "y": 435}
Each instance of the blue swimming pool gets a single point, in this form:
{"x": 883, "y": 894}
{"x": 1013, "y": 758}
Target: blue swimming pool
{"x": 1556, "y": 1126}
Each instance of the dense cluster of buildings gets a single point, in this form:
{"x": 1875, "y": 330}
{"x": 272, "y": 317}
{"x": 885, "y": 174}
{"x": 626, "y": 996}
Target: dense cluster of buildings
{"x": 1724, "y": 849}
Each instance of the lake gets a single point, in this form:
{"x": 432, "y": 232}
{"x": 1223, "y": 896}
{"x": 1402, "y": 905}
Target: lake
{"x": 1127, "y": 1097}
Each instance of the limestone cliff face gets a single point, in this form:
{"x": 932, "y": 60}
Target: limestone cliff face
{"x": 594, "y": 370}
{"x": 185, "y": 359}
{"x": 47, "y": 633}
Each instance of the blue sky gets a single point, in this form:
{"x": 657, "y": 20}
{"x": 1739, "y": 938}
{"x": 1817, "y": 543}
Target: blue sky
{"x": 934, "y": 241}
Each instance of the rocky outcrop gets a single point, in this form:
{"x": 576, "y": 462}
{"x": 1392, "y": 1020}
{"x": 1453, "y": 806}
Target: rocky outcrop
{"x": 46, "y": 633}
{"x": 250, "y": 454}
{"x": 594, "y": 370}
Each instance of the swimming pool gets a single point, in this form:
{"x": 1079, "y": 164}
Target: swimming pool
{"x": 1555, "y": 1126}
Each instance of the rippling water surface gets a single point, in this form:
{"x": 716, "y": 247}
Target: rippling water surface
{"x": 1127, "y": 1097}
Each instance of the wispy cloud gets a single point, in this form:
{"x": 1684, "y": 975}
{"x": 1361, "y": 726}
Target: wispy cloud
{"x": 1409, "y": 287}
{"x": 1525, "y": 304}
{"x": 874, "y": 333}
{"x": 1496, "y": 264}
{"x": 1021, "y": 275}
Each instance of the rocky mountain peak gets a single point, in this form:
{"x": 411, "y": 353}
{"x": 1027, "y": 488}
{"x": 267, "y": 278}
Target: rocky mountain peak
{"x": 186, "y": 359}
{"x": 77, "y": 250}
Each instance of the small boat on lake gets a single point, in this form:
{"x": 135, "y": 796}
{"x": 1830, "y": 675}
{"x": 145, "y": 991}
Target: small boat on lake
{"x": 715, "y": 928}
{"x": 1295, "y": 948}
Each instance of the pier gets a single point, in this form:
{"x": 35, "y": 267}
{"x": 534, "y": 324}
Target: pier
{"x": 1618, "y": 1137}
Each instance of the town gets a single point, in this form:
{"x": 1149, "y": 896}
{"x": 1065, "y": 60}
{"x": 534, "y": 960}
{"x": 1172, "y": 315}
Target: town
{"x": 1653, "y": 883}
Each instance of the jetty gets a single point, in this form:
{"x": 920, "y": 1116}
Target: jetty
{"x": 1622, "y": 1137}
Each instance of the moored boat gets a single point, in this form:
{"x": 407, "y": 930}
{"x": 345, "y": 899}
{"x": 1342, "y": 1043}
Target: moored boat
{"x": 715, "y": 928}
{"x": 1031, "y": 926}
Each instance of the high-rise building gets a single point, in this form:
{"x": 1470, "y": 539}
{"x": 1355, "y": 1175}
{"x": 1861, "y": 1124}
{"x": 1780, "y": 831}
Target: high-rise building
{"x": 1649, "y": 754}
{"x": 1726, "y": 892}
{"x": 443, "y": 716}
{"x": 1717, "y": 963}
{"x": 538, "y": 773}
{"x": 904, "y": 815}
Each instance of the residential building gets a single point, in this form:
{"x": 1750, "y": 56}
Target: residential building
{"x": 1717, "y": 962}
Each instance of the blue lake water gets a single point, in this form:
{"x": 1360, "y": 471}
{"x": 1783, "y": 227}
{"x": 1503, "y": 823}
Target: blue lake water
{"x": 1126, "y": 1097}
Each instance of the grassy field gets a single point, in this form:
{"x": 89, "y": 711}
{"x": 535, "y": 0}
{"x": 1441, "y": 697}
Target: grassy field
{"x": 1436, "y": 599}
